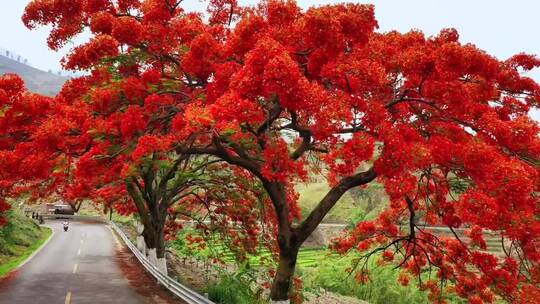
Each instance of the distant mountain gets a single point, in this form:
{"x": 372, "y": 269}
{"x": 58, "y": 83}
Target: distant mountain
{"x": 37, "y": 81}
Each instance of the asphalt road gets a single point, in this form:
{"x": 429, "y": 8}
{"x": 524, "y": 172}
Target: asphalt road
{"x": 78, "y": 266}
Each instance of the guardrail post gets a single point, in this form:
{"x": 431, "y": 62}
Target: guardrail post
{"x": 141, "y": 245}
{"x": 162, "y": 265}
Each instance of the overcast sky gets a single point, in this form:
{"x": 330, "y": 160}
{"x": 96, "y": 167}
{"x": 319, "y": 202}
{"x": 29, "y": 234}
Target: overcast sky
{"x": 500, "y": 27}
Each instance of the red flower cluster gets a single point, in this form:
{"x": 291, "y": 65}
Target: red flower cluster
{"x": 280, "y": 94}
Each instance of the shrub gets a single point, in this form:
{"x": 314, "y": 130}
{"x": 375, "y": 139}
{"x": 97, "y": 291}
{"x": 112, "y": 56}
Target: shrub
{"x": 235, "y": 289}
{"x": 381, "y": 288}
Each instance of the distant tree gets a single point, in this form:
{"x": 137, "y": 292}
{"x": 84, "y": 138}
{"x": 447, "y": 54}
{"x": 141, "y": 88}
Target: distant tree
{"x": 126, "y": 125}
{"x": 21, "y": 167}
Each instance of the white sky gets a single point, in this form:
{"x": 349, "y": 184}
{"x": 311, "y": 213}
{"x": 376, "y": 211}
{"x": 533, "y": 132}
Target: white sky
{"x": 501, "y": 27}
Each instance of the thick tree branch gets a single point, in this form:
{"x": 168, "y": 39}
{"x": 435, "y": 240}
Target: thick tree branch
{"x": 218, "y": 151}
{"x": 273, "y": 114}
{"x": 136, "y": 195}
{"x": 329, "y": 200}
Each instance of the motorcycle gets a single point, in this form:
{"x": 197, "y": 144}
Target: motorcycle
{"x": 66, "y": 227}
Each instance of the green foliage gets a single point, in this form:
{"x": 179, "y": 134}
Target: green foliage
{"x": 358, "y": 215}
{"x": 382, "y": 288}
{"x": 183, "y": 248}
{"x": 307, "y": 257}
{"x": 236, "y": 289}
{"x": 18, "y": 240}
{"x": 124, "y": 220}
{"x": 459, "y": 185}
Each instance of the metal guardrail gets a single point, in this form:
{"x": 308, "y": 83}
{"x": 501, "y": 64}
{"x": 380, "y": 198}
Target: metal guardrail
{"x": 186, "y": 294}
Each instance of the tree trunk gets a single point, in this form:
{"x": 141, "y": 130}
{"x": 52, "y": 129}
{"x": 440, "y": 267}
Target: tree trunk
{"x": 290, "y": 239}
{"x": 75, "y": 206}
{"x": 284, "y": 275}
{"x": 153, "y": 219}
{"x": 287, "y": 241}
{"x": 154, "y": 237}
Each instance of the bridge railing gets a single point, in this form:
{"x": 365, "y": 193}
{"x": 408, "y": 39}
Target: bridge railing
{"x": 185, "y": 293}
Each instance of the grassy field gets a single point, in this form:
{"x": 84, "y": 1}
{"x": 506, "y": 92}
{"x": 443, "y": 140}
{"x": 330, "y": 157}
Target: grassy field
{"x": 331, "y": 275}
{"x": 18, "y": 240}
{"x": 307, "y": 257}
{"x": 312, "y": 193}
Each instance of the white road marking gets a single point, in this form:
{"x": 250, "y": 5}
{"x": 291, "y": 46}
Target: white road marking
{"x": 79, "y": 251}
{"x": 75, "y": 267}
{"x": 68, "y": 298}
{"x": 82, "y": 241}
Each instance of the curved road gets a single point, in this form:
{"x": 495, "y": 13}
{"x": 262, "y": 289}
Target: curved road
{"x": 79, "y": 266}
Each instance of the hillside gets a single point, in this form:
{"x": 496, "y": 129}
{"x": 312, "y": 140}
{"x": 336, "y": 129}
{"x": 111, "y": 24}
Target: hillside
{"x": 357, "y": 204}
{"x": 18, "y": 240}
{"x": 36, "y": 80}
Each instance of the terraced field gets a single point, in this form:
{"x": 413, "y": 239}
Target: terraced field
{"x": 311, "y": 257}
{"x": 493, "y": 240}
{"x": 308, "y": 257}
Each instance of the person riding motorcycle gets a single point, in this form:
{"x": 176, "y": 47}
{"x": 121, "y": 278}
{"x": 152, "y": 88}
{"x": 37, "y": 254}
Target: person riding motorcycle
{"x": 66, "y": 226}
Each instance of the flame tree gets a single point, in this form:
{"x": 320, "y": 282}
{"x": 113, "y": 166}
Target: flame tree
{"x": 281, "y": 93}
{"x": 121, "y": 113}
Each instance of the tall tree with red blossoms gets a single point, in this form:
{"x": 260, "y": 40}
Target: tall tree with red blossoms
{"x": 282, "y": 93}
{"x": 13, "y": 98}
{"x": 27, "y": 162}
{"x": 134, "y": 88}
{"x": 320, "y": 92}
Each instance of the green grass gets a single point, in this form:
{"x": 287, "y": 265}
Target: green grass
{"x": 120, "y": 219}
{"x": 312, "y": 193}
{"x": 18, "y": 240}
{"x": 382, "y": 287}
{"x": 307, "y": 257}
{"x": 234, "y": 289}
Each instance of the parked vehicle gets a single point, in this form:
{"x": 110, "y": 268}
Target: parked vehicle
{"x": 61, "y": 209}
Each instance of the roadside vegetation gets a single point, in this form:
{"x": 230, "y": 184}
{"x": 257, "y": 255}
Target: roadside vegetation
{"x": 18, "y": 240}
{"x": 320, "y": 270}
